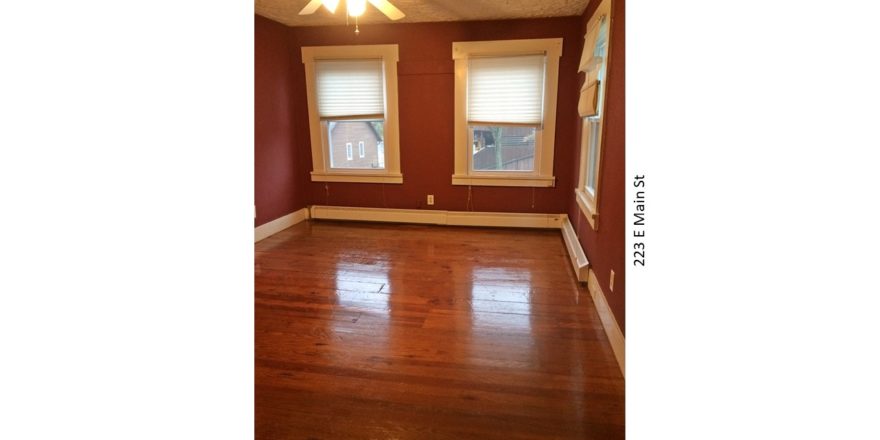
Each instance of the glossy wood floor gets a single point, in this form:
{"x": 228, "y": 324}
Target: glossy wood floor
{"x": 383, "y": 331}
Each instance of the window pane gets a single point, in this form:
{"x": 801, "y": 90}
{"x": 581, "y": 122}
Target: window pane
{"x": 503, "y": 148}
{"x": 343, "y": 135}
{"x": 592, "y": 154}
{"x": 601, "y": 48}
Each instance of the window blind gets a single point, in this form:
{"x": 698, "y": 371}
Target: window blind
{"x": 350, "y": 88}
{"x": 506, "y": 90}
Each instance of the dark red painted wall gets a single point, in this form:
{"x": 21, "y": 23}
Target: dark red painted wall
{"x": 605, "y": 248}
{"x": 274, "y": 159}
{"x": 426, "y": 94}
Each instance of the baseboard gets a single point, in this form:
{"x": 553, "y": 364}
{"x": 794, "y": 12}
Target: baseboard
{"x": 378, "y": 214}
{"x": 438, "y": 217}
{"x": 579, "y": 261}
{"x": 615, "y": 335}
{"x": 279, "y": 224}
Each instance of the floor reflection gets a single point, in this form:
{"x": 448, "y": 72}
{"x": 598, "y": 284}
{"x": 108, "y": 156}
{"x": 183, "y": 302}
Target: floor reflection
{"x": 500, "y": 297}
{"x": 358, "y": 281}
{"x": 501, "y": 315}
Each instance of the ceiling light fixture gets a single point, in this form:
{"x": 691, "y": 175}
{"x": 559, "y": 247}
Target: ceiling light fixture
{"x": 354, "y": 8}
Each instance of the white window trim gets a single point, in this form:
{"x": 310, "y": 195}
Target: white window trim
{"x": 349, "y": 151}
{"x": 321, "y": 170}
{"x": 542, "y": 176}
{"x": 362, "y": 151}
{"x": 589, "y": 203}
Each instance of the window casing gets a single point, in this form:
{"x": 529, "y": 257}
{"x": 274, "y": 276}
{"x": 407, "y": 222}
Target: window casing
{"x": 591, "y": 108}
{"x": 352, "y": 93}
{"x": 505, "y": 111}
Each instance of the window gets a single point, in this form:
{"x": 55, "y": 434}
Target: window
{"x": 505, "y": 111}
{"x": 594, "y": 63}
{"x": 352, "y": 98}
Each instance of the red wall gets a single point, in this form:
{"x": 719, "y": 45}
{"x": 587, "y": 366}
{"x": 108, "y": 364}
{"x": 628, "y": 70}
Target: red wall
{"x": 274, "y": 159}
{"x": 426, "y": 94}
{"x": 605, "y": 248}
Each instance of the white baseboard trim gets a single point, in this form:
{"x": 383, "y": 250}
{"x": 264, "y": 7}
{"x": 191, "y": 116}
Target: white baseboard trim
{"x": 279, "y": 224}
{"x": 438, "y": 217}
{"x": 579, "y": 261}
{"x": 378, "y": 214}
{"x": 615, "y": 336}
{"x": 503, "y": 219}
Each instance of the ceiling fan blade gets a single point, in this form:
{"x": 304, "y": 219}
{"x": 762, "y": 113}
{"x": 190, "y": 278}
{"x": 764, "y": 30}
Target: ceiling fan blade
{"x": 311, "y": 7}
{"x": 331, "y": 5}
{"x": 388, "y": 9}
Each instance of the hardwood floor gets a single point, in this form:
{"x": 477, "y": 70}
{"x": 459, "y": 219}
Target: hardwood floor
{"x": 385, "y": 331}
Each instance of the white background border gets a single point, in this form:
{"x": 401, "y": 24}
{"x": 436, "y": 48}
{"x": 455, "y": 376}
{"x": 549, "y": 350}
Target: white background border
{"x": 126, "y": 176}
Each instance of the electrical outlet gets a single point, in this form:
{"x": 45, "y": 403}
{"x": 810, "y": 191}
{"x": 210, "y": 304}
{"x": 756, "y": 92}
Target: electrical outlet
{"x": 611, "y": 284}
{"x": 430, "y": 199}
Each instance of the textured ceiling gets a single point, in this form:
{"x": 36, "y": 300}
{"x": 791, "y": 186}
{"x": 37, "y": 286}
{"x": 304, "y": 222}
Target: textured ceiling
{"x": 286, "y": 11}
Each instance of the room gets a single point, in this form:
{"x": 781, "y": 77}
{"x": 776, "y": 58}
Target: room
{"x": 439, "y": 219}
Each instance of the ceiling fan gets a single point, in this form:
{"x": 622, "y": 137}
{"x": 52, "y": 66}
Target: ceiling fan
{"x": 354, "y": 8}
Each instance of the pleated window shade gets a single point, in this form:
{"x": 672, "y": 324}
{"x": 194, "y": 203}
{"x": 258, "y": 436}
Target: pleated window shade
{"x": 350, "y": 89}
{"x": 593, "y": 64}
{"x": 589, "y": 99}
{"x": 506, "y": 90}
{"x": 595, "y": 45}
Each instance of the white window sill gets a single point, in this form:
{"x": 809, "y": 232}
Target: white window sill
{"x": 356, "y": 177}
{"x": 587, "y": 208}
{"x": 534, "y": 181}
